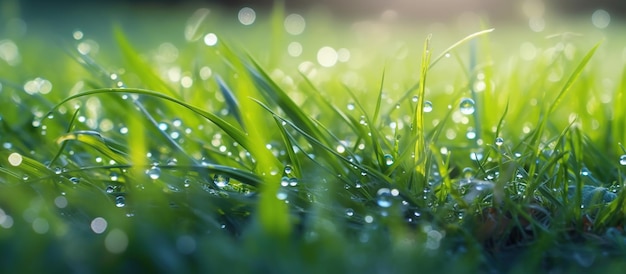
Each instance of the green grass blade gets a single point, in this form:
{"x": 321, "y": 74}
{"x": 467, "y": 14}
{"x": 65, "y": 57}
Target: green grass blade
{"x": 232, "y": 131}
{"x": 572, "y": 78}
{"x": 457, "y": 44}
{"x": 107, "y": 147}
{"x": 418, "y": 121}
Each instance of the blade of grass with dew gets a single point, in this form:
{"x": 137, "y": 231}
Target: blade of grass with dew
{"x": 291, "y": 154}
{"x": 64, "y": 144}
{"x": 314, "y": 141}
{"x": 94, "y": 139}
{"x": 229, "y": 129}
{"x": 416, "y": 186}
{"x": 376, "y": 140}
{"x": 277, "y": 96}
{"x": 273, "y": 213}
{"x": 415, "y": 86}
{"x": 538, "y": 132}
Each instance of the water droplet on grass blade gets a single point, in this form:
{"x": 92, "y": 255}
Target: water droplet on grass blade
{"x": 622, "y": 160}
{"x": 428, "y": 106}
{"x": 350, "y": 212}
{"x": 585, "y": 172}
{"x": 388, "y": 159}
{"x": 384, "y": 197}
{"x": 281, "y": 195}
{"x": 499, "y": 141}
{"x": 221, "y": 180}
{"x": 120, "y": 201}
{"x": 467, "y": 106}
{"x": 154, "y": 173}
{"x": 288, "y": 169}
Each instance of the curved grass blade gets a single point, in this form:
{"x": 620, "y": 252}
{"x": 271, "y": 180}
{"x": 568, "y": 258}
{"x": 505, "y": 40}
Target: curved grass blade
{"x": 457, "y": 44}
{"x": 69, "y": 128}
{"x": 572, "y": 78}
{"x": 107, "y": 147}
{"x": 229, "y": 129}
{"x": 231, "y": 100}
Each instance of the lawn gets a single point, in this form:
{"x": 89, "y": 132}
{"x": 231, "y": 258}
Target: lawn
{"x": 279, "y": 142}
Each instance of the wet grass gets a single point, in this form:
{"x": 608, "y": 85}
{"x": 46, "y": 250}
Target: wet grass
{"x": 462, "y": 153}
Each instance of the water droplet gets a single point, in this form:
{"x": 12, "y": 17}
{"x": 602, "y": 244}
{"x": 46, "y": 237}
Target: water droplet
{"x": 388, "y": 159}
{"x": 585, "y": 172}
{"x": 114, "y": 176}
{"x": 154, "y": 172}
{"x": 415, "y": 98}
{"x": 187, "y": 183}
{"x": 499, "y": 141}
{"x": 428, "y": 106}
{"x": 383, "y": 197}
{"x": 350, "y": 106}
{"x": 221, "y": 180}
{"x": 622, "y": 160}
{"x": 281, "y": 195}
{"x": 75, "y": 180}
{"x": 350, "y": 212}
{"x": 110, "y": 189}
{"x": 284, "y": 181}
{"x": 476, "y": 156}
{"x": 293, "y": 182}
{"x": 467, "y": 106}
{"x": 120, "y": 201}
{"x": 288, "y": 169}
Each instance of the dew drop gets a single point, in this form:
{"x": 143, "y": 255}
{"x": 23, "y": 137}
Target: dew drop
{"x": 622, "y": 160}
{"x": 288, "y": 169}
{"x": 281, "y": 195}
{"x": 284, "y": 181}
{"x": 187, "y": 183}
{"x": 350, "y": 106}
{"x": 388, "y": 159}
{"x": 585, "y": 172}
{"x": 349, "y": 212}
{"x": 221, "y": 180}
{"x": 114, "y": 176}
{"x": 110, "y": 189}
{"x": 415, "y": 98}
{"x": 293, "y": 182}
{"x": 383, "y": 197}
{"x": 75, "y": 180}
{"x": 428, "y": 106}
{"x": 154, "y": 172}
{"x": 467, "y": 106}
{"x": 499, "y": 141}
{"x": 120, "y": 201}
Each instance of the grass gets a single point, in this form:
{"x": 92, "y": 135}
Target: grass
{"x": 196, "y": 158}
